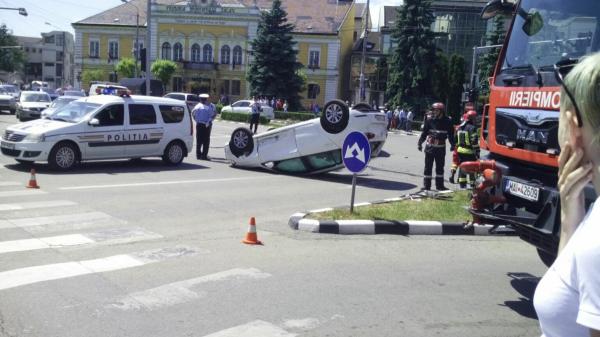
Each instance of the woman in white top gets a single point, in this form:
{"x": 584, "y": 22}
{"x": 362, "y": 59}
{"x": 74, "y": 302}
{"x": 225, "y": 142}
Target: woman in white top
{"x": 567, "y": 299}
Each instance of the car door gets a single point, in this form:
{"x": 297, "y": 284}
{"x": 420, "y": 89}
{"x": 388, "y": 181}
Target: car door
{"x": 104, "y": 133}
{"x": 142, "y": 132}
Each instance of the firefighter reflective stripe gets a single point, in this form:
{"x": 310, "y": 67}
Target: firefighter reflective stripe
{"x": 463, "y": 138}
{"x": 464, "y": 150}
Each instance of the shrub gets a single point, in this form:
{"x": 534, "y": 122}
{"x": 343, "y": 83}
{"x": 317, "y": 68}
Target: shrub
{"x": 296, "y": 116}
{"x": 219, "y": 107}
{"x": 241, "y": 117}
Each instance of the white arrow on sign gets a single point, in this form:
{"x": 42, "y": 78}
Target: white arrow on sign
{"x": 360, "y": 153}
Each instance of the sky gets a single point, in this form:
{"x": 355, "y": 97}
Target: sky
{"x": 48, "y": 15}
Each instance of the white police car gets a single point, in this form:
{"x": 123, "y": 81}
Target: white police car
{"x": 104, "y": 127}
{"x": 313, "y": 146}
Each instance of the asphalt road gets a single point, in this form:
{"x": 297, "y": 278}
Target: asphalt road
{"x": 140, "y": 249}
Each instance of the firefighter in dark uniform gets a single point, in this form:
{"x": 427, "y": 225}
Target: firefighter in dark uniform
{"x": 467, "y": 142}
{"x": 436, "y": 130}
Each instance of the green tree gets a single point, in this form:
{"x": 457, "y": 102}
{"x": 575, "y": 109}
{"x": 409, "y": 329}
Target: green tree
{"x": 90, "y": 75}
{"x": 126, "y": 67}
{"x": 163, "y": 70}
{"x": 440, "y": 85}
{"x": 274, "y": 70}
{"x": 12, "y": 58}
{"x": 487, "y": 62}
{"x": 410, "y": 67}
{"x": 456, "y": 79}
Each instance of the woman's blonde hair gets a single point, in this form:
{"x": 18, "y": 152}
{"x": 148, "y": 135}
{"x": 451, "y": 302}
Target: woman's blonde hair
{"x": 584, "y": 83}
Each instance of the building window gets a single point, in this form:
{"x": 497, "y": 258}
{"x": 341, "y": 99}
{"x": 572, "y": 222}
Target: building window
{"x": 113, "y": 50}
{"x": 225, "y": 54}
{"x": 207, "y": 53}
{"x": 313, "y": 59}
{"x": 60, "y": 40}
{"x": 196, "y": 52}
{"x": 236, "y": 88}
{"x": 177, "y": 52}
{"x": 166, "y": 51}
{"x": 225, "y": 87}
{"x": 177, "y": 84}
{"x": 49, "y": 39}
{"x": 237, "y": 55}
{"x": 59, "y": 56}
{"x": 48, "y": 64}
{"x": 313, "y": 91}
{"x": 27, "y": 49}
{"x": 94, "y": 49}
{"x": 59, "y": 70}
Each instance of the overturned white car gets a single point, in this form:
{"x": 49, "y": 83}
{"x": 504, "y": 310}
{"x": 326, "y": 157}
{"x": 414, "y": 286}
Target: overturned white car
{"x": 313, "y": 146}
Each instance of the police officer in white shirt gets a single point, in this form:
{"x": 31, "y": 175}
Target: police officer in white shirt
{"x": 204, "y": 113}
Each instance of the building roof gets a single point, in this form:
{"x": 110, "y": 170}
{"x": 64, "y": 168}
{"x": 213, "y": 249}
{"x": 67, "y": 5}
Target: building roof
{"x": 308, "y": 16}
{"x": 28, "y": 40}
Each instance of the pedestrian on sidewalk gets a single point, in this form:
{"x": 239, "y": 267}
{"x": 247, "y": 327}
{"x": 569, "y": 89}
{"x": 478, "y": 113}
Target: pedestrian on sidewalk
{"x": 410, "y": 116}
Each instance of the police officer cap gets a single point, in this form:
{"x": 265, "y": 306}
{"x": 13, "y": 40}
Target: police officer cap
{"x": 203, "y": 96}
{"x": 438, "y": 106}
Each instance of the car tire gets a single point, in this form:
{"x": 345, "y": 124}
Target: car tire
{"x": 335, "y": 116}
{"x": 174, "y": 153}
{"x": 241, "y": 142}
{"x": 547, "y": 258}
{"x": 63, "y": 156}
{"x": 363, "y": 107}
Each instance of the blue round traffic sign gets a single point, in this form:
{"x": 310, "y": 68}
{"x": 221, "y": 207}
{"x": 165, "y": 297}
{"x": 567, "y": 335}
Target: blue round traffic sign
{"x": 356, "y": 152}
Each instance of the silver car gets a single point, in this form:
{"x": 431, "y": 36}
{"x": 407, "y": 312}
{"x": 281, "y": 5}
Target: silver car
{"x": 31, "y": 104}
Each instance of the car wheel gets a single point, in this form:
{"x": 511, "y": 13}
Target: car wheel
{"x": 363, "y": 107}
{"x": 63, "y": 156}
{"x": 547, "y": 258}
{"x": 335, "y": 116}
{"x": 174, "y": 153}
{"x": 241, "y": 142}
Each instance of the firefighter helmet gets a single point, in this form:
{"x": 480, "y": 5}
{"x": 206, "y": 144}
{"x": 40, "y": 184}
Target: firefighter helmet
{"x": 438, "y": 106}
{"x": 471, "y": 114}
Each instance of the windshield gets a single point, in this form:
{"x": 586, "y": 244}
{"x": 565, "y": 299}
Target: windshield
{"x": 9, "y": 89}
{"x": 60, "y": 102}
{"x": 546, "y": 31}
{"x": 35, "y": 97}
{"x": 74, "y": 111}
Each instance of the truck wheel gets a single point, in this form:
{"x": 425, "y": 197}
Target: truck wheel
{"x": 241, "y": 142}
{"x": 547, "y": 258}
{"x": 174, "y": 153}
{"x": 63, "y": 156}
{"x": 335, "y": 116}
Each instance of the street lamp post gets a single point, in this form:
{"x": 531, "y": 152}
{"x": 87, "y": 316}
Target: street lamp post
{"x": 137, "y": 35}
{"x": 22, "y": 11}
{"x": 362, "y": 90}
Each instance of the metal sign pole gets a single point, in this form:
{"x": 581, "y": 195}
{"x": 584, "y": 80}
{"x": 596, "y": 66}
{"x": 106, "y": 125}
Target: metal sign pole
{"x": 353, "y": 190}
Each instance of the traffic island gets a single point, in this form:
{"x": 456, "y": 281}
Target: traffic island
{"x": 380, "y": 217}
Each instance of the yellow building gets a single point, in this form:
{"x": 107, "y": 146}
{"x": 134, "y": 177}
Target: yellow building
{"x": 210, "y": 41}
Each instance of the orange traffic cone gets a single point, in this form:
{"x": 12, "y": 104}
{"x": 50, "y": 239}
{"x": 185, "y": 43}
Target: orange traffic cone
{"x": 251, "y": 237}
{"x": 32, "y": 182}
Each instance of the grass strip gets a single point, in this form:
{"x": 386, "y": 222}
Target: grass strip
{"x": 451, "y": 209}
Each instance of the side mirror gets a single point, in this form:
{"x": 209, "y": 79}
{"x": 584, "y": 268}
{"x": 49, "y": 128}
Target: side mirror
{"x": 94, "y": 122}
{"x": 495, "y": 7}
{"x": 533, "y": 23}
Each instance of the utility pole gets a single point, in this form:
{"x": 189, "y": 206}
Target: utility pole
{"x": 148, "y": 47}
{"x": 362, "y": 89}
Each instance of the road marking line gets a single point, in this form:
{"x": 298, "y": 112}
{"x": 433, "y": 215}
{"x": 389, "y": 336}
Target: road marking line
{"x": 158, "y": 183}
{"x": 9, "y": 183}
{"x": 256, "y": 328}
{"x": 55, "y": 219}
{"x": 24, "y": 192}
{"x": 38, "y": 204}
{"x": 181, "y": 292}
{"x": 30, "y": 275}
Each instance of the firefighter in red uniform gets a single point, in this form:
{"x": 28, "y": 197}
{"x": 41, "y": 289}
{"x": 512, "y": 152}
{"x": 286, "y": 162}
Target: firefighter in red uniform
{"x": 436, "y": 131}
{"x": 467, "y": 146}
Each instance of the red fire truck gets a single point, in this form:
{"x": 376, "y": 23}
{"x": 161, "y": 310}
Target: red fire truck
{"x": 520, "y": 123}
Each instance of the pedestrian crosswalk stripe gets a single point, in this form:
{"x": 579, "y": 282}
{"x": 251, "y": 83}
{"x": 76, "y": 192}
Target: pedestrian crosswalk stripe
{"x": 181, "y": 291}
{"x": 24, "y": 192}
{"x": 256, "y": 328}
{"x": 113, "y": 236}
{"x": 37, "y": 204}
{"x": 78, "y": 220}
{"x": 9, "y": 183}
{"x": 31, "y": 275}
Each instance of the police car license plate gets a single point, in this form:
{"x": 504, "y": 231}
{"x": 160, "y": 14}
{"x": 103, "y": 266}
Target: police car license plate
{"x": 522, "y": 190}
{"x": 7, "y": 145}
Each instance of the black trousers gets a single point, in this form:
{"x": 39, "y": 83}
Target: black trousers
{"x": 202, "y": 140}
{"x": 437, "y": 155}
{"x": 254, "y": 119}
{"x": 462, "y": 176}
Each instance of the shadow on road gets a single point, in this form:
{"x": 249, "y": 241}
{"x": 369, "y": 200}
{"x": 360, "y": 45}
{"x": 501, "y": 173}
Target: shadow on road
{"x": 364, "y": 181}
{"x": 109, "y": 167}
{"x": 524, "y": 284}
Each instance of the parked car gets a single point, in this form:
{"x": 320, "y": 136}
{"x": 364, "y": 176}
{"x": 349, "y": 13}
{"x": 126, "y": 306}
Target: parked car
{"x": 313, "y": 146}
{"x": 190, "y": 99}
{"x": 243, "y": 106}
{"x": 31, "y": 104}
{"x": 7, "y": 101}
{"x": 13, "y": 90}
{"x": 57, "y": 104}
{"x": 104, "y": 127}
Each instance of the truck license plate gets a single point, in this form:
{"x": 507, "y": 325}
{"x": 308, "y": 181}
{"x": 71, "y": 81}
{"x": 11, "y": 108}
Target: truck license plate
{"x": 522, "y": 190}
{"x": 7, "y": 145}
